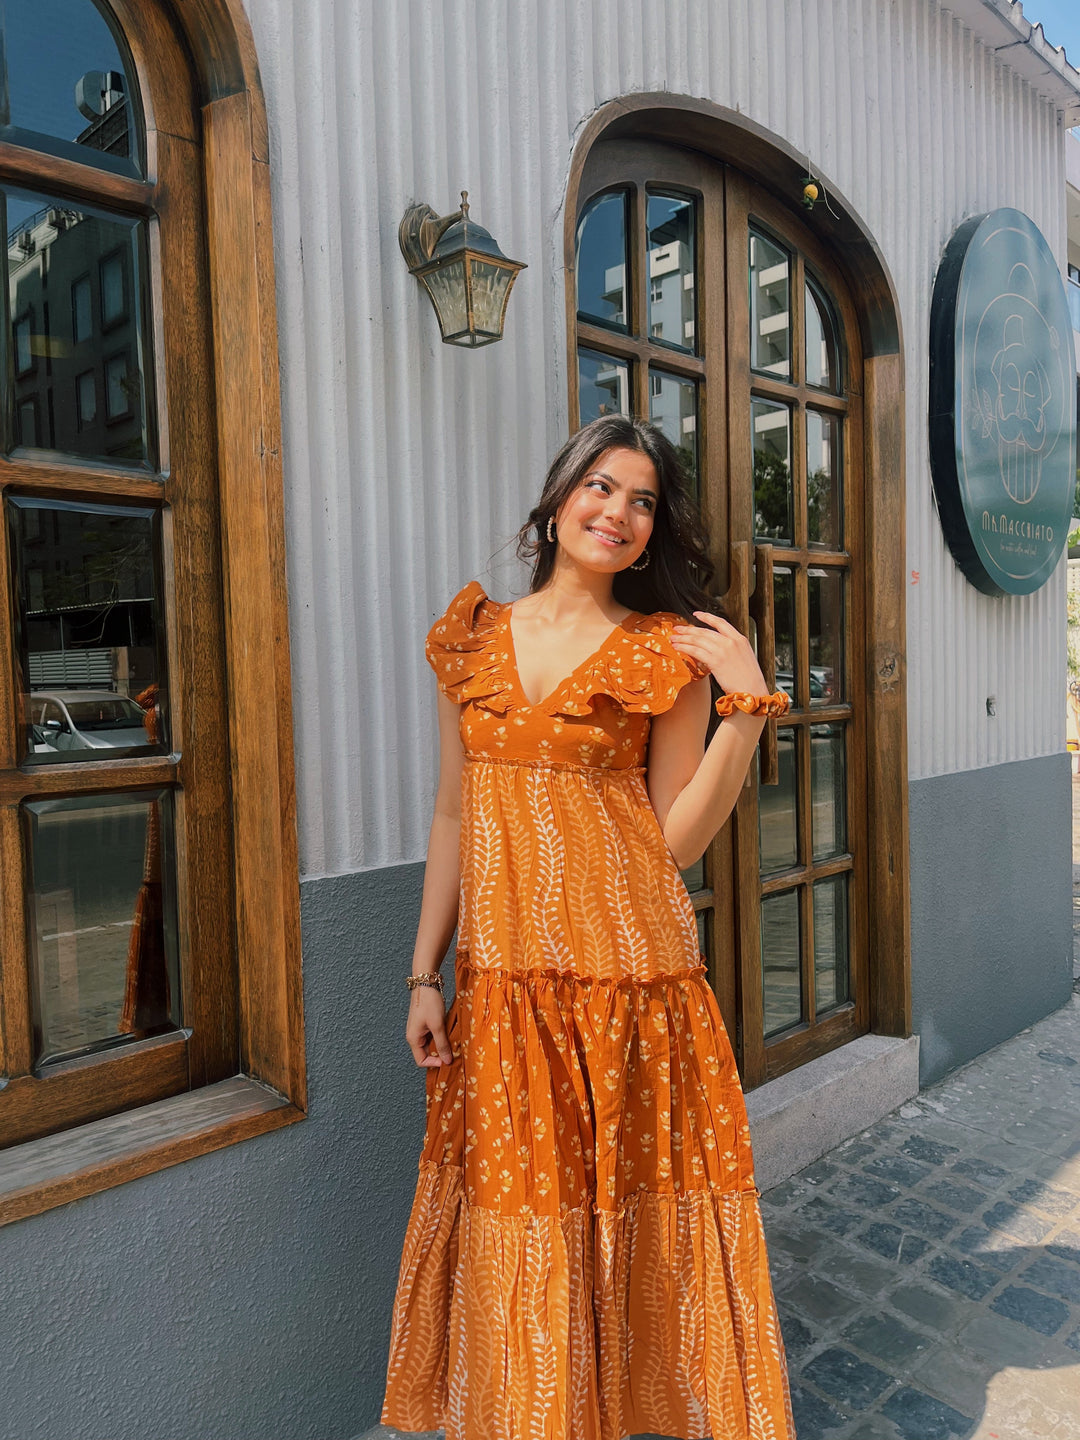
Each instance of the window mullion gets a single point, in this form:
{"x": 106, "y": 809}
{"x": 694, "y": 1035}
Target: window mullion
{"x": 15, "y": 1038}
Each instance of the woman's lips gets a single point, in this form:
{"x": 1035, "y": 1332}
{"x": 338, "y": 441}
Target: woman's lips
{"x": 606, "y": 537}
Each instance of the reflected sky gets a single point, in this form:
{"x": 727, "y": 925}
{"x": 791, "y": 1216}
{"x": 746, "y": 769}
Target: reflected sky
{"x": 48, "y": 45}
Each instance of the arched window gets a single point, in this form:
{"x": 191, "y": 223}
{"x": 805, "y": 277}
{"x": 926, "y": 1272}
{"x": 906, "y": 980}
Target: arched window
{"x": 132, "y": 741}
{"x": 704, "y": 304}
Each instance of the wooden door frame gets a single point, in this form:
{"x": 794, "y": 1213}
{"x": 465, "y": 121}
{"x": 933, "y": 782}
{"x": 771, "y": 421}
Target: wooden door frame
{"x": 734, "y": 140}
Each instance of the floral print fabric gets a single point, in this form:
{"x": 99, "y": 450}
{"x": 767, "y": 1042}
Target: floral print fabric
{"x": 584, "y": 1257}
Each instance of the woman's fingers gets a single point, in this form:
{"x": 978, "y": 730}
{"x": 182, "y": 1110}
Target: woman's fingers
{"x": 427, "y": 1025}
{"x": 442, "y": 1045}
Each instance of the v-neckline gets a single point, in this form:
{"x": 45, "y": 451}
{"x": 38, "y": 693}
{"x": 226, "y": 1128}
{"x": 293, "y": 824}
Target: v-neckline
{"x": 514, "y": 674}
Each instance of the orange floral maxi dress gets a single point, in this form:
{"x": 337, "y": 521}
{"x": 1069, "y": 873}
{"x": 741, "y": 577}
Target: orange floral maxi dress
{"x": 584, "y": 1258}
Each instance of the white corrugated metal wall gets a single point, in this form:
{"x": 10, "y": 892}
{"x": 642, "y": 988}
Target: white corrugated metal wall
{"x": 410, "y": 464}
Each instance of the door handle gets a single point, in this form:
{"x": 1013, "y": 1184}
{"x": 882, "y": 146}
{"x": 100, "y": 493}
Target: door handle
{"x": 764, "y": 612}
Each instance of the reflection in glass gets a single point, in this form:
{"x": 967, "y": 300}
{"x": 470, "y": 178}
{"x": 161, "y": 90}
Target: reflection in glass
{"x": 831, "y": 987}
{"x": 777, "y": 817}
{"x": 670, "y": 223}
{"x": 96, "y": 259}
{"x": 88, "y": 629}
{"x": 823, "y": 480}
{"x": 673, "y": 408}
{"x": 694, "y": 876}
{"x": 67, "y": 82}
{"x": 82, "y": 323}
{"x": 771, "y": 426}
{"x": 601, "y": 261}
{"x": 784, "y": 628}
{"x": 102, "y": 920}
{"x": 825, "y": 595}
{"x": 702, "y": 935}
{"x": 821, "y": 349}
{"x": 86, "y": 398}
{"x": 828, "y": 790}
{"x": 770, "y": 308}
{"x": 604, "y": 385}
{"x": 781, "y": 984}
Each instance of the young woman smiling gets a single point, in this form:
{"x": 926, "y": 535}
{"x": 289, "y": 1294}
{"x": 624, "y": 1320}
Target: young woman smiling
{"x": 584, "y": 1256}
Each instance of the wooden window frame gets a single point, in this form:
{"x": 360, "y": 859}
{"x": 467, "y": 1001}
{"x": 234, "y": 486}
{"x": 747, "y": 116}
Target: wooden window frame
{"x": 219, "y": 146}
{"x": 695, "y": 125}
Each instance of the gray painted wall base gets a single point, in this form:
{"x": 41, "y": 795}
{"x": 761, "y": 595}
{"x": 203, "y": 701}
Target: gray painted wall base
{"x": 796, "y": 1119}
{"x": 991, "y": 906}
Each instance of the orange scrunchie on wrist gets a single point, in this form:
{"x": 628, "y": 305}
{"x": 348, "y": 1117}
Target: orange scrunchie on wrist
{"x": 776, "y": 704}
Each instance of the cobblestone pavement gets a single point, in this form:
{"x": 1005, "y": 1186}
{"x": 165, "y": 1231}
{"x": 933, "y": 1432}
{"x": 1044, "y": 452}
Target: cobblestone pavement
{"x": 928, "y": 1271}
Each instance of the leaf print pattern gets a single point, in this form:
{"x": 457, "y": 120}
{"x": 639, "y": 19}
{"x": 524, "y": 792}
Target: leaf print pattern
{"x": 584, "y": 1257}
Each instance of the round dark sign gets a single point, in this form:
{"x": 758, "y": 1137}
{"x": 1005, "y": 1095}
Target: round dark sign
{"x": 1002, "y": 403}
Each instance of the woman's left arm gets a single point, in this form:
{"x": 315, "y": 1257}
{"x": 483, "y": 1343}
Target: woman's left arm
{"x": 693, "y": 793}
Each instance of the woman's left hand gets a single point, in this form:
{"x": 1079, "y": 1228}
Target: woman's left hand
{"x": 725, "y": 650}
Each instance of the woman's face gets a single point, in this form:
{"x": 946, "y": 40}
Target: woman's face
{"x": 606, "y": 522}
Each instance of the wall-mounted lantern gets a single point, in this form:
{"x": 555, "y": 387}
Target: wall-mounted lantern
{"x": 462, "y": 269}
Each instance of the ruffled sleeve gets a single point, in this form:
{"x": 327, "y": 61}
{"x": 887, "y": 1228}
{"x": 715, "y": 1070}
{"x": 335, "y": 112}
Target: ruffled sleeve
{"x": 462, "y": 648}
{"x": 643, "y": 672}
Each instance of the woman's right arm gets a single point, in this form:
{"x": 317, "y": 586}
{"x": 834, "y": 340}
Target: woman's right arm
{"x": 439, "y": 906}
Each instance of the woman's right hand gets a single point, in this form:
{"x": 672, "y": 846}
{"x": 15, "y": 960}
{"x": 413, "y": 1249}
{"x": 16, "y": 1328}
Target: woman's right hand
{"x": 426, "y": 1024}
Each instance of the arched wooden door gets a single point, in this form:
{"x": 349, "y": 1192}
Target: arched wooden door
{"x": 701, "y": 303}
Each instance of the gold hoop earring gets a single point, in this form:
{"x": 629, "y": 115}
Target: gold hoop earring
{"x": 550, "y": 525}
{"x": 643, "y": 563}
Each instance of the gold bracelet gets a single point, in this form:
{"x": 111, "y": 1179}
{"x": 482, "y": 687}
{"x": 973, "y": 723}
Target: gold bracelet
{"x": 775, "y": 704}
{"x": 429, "y": 977}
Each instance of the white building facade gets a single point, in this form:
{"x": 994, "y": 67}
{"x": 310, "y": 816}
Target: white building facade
{"x": 901, "y": 899}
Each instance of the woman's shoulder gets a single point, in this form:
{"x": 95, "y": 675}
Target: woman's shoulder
{"x": 468, "y": 614}
{"x": 461, "y": 646}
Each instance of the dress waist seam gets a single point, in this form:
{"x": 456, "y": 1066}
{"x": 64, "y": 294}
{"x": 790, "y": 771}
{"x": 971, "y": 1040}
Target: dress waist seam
{"x": 604, "y": 771}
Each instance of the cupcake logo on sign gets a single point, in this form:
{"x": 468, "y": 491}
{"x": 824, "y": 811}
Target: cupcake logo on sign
{"x": 1002, "y": 403}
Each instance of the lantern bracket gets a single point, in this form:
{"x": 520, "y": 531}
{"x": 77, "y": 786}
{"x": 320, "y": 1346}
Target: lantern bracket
{"x": 421, "y": 229}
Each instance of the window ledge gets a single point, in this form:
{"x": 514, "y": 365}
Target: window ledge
{"x": 59, "y": 1168}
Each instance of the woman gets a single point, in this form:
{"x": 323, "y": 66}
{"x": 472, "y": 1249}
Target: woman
{"x": 584, "y": 1258}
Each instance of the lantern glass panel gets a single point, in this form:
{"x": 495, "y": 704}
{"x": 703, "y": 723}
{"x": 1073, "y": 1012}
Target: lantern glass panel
{"x": 490, "y": 282}
{"x": 446, "y": 286}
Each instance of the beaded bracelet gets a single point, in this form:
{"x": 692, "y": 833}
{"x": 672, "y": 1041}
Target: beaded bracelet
{"x": 429, "y": 977}
{"x": 776, "y": 704}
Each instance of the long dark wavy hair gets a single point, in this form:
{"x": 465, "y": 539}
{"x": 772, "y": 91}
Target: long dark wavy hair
{"x": 679, "y": 574}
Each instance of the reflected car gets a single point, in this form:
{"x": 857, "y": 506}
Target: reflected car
{"x": 820, "y": 683}
{"x": 62, "y": 720}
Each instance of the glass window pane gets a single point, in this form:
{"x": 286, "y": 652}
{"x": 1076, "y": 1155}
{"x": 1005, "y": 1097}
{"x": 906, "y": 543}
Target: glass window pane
{"x": 604, "y": 385}
{"x": 67, "y": 81}
{"x": 777, "y": 809}
{"x": 694, "y": 876}
{"x": 828, "y": 790}
{"x": 113, "y": 288}
{"x": 822, "y": 368}
{"x": 602, "y": 261}
{"x": 673, "y": 408}
{"x": 770, "y": 308}
{"x": 824, "y": 511}
{"x": 784, "y": 628}
{"x": 702, "y": 935}
{"x": 88, "y": 630}
{"x": 672, "y": 286}
{"x": 82, "y": 321}
{"x": 56, "y": 250}
{"x": 103, "y": 929}
{"x": 773, "y": 501}
{"x": 780, "y": 946}
{"x": 831, "y": 975}
{"x": 86, "y": 398}
{"x": 825, "y": 593}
